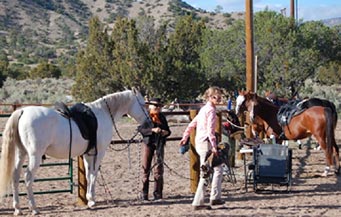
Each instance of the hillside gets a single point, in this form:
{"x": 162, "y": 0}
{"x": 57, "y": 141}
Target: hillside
{"x": 53, "y": 20}
{"x": 31, "y": 30}
{"x": 55, "y": 29}
{"x": 332, "y": 21}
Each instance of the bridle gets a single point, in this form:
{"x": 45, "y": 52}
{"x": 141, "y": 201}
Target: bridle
{"x": 114, "y": 123}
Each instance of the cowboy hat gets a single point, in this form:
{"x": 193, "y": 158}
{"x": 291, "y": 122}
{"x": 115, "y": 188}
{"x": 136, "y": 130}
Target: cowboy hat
{"x": 155, "y": 101}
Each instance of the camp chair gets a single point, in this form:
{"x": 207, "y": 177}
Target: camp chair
{"x": 272, "y": 165}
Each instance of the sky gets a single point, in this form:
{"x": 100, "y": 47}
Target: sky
{"x": 306, "y": 9}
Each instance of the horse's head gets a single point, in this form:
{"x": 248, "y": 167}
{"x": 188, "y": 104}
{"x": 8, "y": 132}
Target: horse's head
{"x": 138, "y": 110}
{"x": 246, "y": 101}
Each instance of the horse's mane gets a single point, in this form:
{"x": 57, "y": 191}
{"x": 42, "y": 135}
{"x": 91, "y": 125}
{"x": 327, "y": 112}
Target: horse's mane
{"x": 251, "y": 95}
{"x": 114, "y": 100}
{"x": 265, "y": 101}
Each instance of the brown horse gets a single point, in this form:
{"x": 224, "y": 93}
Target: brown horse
{"x": 260, "y": 127}
{"x": 319, "y": 121}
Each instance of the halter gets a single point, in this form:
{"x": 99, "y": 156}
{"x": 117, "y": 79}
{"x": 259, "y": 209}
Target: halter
{"x": 114, "y": 123}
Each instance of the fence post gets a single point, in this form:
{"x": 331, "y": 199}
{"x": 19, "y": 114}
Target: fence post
{"x": 194, "y": 163}
{"x": 82, "y": 183}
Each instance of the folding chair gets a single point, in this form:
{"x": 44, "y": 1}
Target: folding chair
{"x": 272, "y": 165}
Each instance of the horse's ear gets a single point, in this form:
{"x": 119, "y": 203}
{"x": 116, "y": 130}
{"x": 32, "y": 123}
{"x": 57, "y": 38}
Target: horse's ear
{"x": 254, "y": 96}
{"x": 135, "y": 90}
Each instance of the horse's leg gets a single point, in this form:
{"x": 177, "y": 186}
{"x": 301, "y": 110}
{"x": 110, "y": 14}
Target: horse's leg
{"x": 19, "y": 160}
{"x": 299, "y": 143}
{"x": 33, "y": 165}
{"x": 91, "y": 164}
{"x": 328, "y": 162}
{"x": 336, "y": 157}
{"x": 323, "y": 145}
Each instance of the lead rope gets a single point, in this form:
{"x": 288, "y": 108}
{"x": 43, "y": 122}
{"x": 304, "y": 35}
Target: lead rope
{"x": 113, "y": 120}
{"x": 240, "y": 127}
{"x": 127, "y": 147}
{"x": 106, "y": 189}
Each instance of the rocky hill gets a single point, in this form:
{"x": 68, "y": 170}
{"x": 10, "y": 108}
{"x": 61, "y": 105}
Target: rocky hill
{"x": 31, "y": 30}
{"x": 332, "y": 21}
{"x": 53, "y": 20}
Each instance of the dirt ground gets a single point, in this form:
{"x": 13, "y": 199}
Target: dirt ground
{"x": 118, "y": 185}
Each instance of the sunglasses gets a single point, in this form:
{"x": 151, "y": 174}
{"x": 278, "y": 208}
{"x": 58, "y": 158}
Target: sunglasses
{"x": 217, "y": 97}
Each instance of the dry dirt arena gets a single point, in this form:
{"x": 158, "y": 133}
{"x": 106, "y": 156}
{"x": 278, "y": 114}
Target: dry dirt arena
{"x": 118, "y": 185}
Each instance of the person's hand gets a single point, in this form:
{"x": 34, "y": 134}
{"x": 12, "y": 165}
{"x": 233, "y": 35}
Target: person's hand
{"x": 156, "y": 130}
{"x": 182, "y": 142}
{"x": 214, "y": 150}
{"x": 164, "y": 132}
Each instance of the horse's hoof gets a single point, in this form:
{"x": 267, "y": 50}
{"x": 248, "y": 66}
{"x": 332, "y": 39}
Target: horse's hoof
{"x": 17, "y": 212}
{"x": 35, "y": 212}
{"x": 91, "y": 203}
{"x": 324, "y": 174}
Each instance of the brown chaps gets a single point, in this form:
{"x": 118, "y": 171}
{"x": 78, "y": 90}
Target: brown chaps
{"x": 157, "y": 168}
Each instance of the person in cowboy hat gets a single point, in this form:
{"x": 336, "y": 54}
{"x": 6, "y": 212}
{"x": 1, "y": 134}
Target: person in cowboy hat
{"x": 154, "y": 140}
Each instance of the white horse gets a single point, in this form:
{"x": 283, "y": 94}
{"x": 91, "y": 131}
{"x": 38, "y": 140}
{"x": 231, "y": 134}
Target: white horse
{"x": 36, "y": 130}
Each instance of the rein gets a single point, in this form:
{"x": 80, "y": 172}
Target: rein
{"x": 114, "y": 123}
{"x": 129, "y": 141}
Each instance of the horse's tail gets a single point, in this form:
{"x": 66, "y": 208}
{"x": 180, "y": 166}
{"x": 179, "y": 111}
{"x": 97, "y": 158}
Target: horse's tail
{"x": 10, "y": 139}
{"x": 333, "y": 108}
{"x": 330, "y": 137}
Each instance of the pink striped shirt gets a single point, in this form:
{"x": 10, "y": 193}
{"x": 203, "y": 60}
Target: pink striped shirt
{"x": 205, "y": 122}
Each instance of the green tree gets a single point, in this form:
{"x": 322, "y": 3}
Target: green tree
{"x": 330, "y": 74}
{"x": 159, "y": 66}
{"x": 283, "y": 63}
{"x": 45, "y": 70}
{"x": 3, "y": 42}
{"x": 130, "y": 57}
{"x": 324, "y": 39}
{"x": 223, "y": 56}
{"x": 4, "y": 64}
{"x": 93, "y": 77}
{"x": 185, "y": 78}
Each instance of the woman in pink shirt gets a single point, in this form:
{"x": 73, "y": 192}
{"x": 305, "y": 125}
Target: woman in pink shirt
{"x": 205, "y": 140}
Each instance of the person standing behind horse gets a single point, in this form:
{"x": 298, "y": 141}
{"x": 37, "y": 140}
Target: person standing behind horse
{"x": 205, "y": 140}
{"x": 154, "y": 140}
